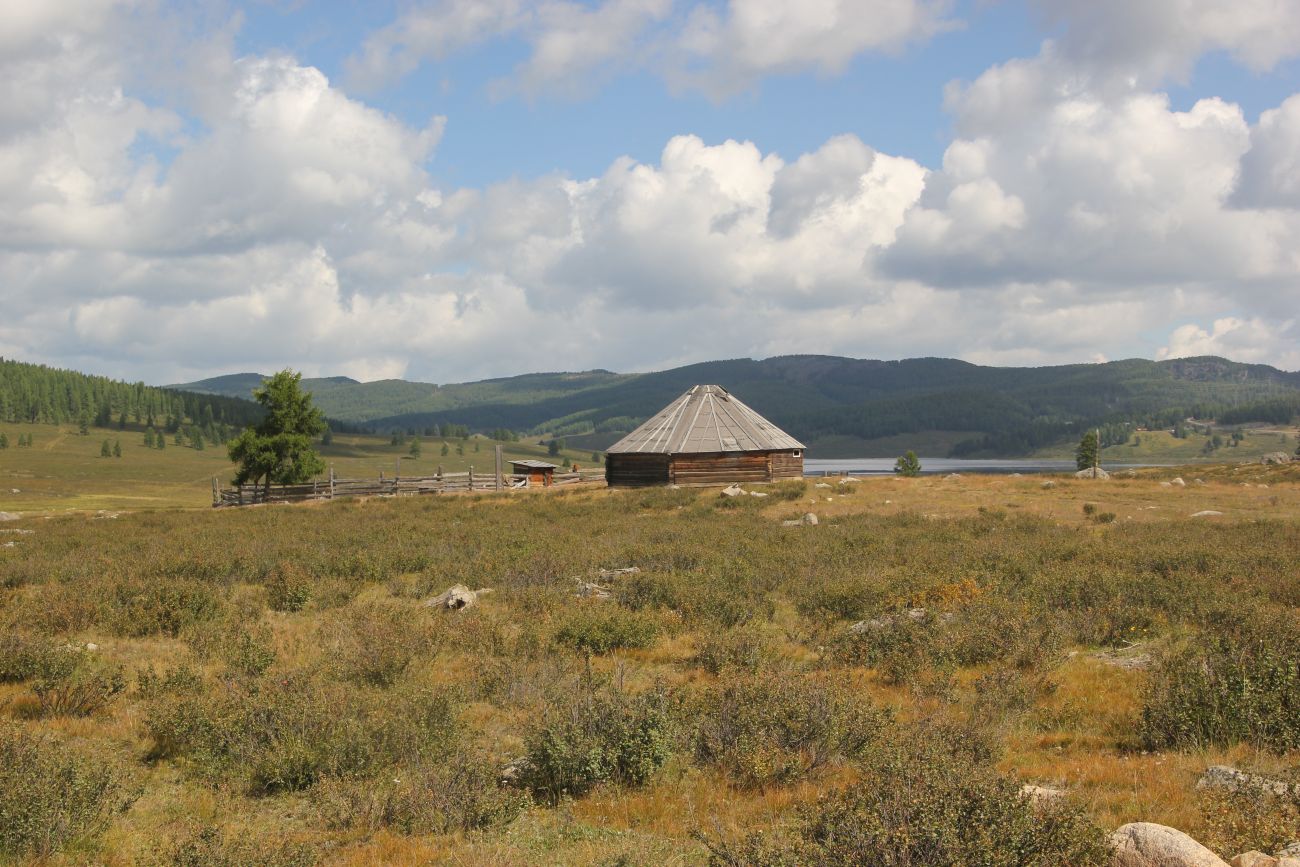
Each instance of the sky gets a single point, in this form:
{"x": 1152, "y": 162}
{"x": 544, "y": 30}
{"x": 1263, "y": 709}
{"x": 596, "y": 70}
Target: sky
{"x": 447, "y": 190}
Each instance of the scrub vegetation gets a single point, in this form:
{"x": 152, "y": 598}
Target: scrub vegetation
{"x": 266, "y": 685}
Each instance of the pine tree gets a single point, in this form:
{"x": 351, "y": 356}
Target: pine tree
{"x": 446, "y": 450}
{"x": 117, "y": 448}
{"x": 460, "y": 448}
{"x": 83, "y": 425}
{"x": 160, "y": 441}
{"x": 279, "y": 449}
{"x": 1087, "y": 455}
{"x": 148, "y": 437}
{"x": 327, "y": 438}
{"x": 105, "y": 450}
{"x": 415, "y": 448}
{"x": 121, "y": 421}
{"x": 4, "y": 441}
{"x": 908, "y": 465}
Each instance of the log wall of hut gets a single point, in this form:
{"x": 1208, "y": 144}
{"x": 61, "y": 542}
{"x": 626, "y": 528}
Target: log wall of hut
{"x": 787, "y": 465}
{"x": 702, "y": 469}
{"x": 631, "y": 470}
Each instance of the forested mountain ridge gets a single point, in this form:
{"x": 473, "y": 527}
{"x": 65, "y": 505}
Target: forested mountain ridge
{"x": 46, "y": 395}
{"x": 835, "y": 403}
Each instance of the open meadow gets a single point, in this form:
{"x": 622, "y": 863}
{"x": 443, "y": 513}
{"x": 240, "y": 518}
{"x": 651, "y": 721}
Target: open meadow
{"x": 64, "y": 470}
{"x": 267, "y": 685}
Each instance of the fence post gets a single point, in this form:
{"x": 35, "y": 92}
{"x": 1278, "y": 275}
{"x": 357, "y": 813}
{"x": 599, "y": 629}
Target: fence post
{"x": 331, "y": 481}
{"x": 498, "y": 457}
{"x": 216, "y": 492}
{"x": 471, "y": 478}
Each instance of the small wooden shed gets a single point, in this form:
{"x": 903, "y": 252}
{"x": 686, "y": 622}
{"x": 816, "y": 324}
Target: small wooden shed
{"x": 538, "y": 472}
{"x": 705, "y": 437}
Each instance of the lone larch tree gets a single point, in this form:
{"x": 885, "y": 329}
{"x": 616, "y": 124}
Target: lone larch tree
{"x": 278, "y": 450}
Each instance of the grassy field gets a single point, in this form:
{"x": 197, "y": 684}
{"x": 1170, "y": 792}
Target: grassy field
{"x": 63, "y": 470}
{"x": 266, "y": 686}
{"x": 1163, "y": 447}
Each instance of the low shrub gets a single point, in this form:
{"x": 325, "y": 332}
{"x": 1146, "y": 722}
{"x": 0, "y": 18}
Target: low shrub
{"x": 925, "y": 799}
{"x": 159, "y": 606}
{"x": 289, "y": 586}
{"x": 285, "y": 733}
{"x": 599, "y": 628}
{"x": 1238, "y": 680}
{"x": 248, "y": 652}
{"x": 51, "y": 797}
{"x": 462, "y": 794}
{"x": 23, "y": 654}
{"x": 791, "y": 489}
{"x": 779, "y": 727}
{"x": 376, "y": 641}
{"x": 1249, "y": 817}
{"x": 74, "y": 682}
{"x": 742, "y": 648}
{"x": 597, "y": 737}
{"x": 211, "y": 846}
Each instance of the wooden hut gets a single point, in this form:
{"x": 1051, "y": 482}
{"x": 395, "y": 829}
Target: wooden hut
{"x": 705, "y": 437}
{"x": 538, "y": 472}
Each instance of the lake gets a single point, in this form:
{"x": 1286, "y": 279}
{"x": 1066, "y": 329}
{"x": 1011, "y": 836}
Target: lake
{"x": 929, "y": 466}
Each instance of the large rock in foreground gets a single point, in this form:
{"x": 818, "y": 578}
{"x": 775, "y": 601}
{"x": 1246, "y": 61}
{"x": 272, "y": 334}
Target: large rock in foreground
{"x": 1146, "y": 844}
{"x": 1092, "y": 473}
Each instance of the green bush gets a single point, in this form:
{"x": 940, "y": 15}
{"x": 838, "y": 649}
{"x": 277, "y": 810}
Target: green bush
{"x": 160, "y": 606}
{"x": 596, "y": 737}
{"x": 376, "y": 641}
{"x": 23, "y": 654}
{"x": 777, "y": 727}
{"x": 1249, "y": 817}
{"x": 248, "y": 653}
{"x": 284, "y": 733}
{"x": 51, "y": 797}
{"x": 74, "y": 682}
{"x": 925, "y": 800}
{"x": 600, "y": 628}
{"x": 743, "y": 648}
{"x": 1238, "y": 680}
{"x": 211, "y": 846}
{"x": 289, "y": 587}
{"x": 462, "y": 794}
{"x": 791, "y": 489}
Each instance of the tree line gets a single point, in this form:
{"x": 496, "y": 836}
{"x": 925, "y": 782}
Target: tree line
{"x": 36, "y": 394}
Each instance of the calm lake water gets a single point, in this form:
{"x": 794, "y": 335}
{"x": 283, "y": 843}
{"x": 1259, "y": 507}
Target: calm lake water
{"x": 885, "y": 466}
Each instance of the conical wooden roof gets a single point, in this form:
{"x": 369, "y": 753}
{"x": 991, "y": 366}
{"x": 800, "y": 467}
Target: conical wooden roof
{"x": 703, "y": 420}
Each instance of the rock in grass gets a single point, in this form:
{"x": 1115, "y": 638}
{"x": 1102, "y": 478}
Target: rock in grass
{"x": 1146, "y": 844}
{"x": 733, "y": 491}
{"x": 1092, "y": 473}
{"x": 1275, "y": 458}
{"x": 1206, "y": 513}
{"x": 458, "y": 598}
{"x": 1234, "y": 780}
{"x": 1041, "y": 796}
{"x": 1178, "y": 482}
{"x": 1253, "y": 859}
{"x": 9, "y": 516}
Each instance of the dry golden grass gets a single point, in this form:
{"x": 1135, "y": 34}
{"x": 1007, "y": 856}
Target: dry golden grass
{"x": 1080, "y": 734}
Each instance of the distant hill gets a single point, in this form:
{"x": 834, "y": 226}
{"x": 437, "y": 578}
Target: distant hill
{"x": 839, "y": 406}
{"x": 40, "y": 394}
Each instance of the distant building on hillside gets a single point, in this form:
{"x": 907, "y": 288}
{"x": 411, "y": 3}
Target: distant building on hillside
{"x": 705, "y": 437}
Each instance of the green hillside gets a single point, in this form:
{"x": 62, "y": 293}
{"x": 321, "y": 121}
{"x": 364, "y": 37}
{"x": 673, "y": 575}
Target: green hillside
{"x": 838, "y": 406}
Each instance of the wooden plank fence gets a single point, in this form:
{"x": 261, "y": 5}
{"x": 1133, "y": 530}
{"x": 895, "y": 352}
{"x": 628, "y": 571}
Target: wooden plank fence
{"x": 334, "y": 488}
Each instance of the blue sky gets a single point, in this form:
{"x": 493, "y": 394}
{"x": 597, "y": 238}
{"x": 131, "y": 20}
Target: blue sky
{"x": 1014, "y": 182}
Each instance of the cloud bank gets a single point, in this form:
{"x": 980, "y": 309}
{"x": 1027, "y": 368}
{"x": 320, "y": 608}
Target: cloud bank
{"x": 278, "y": 219}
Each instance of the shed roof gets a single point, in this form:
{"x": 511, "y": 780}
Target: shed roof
{"x": 536, "y": 465}
{"x": 705, "y": 419}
